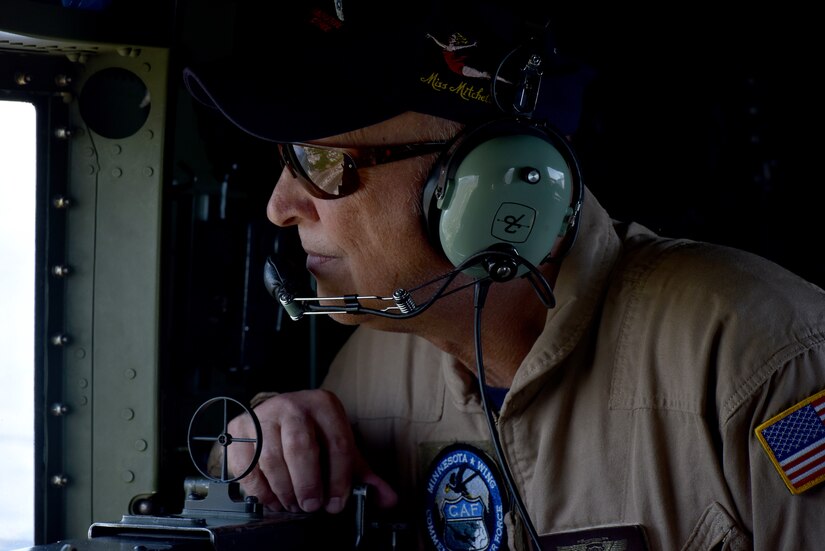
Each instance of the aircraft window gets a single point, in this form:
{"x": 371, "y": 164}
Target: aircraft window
{"x": 17, "y": 288}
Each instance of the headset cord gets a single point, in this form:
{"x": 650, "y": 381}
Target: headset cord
{"x": 481, "y": 289}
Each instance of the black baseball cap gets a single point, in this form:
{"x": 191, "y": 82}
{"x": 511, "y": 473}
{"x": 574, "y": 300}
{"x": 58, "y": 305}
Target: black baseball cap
{"x": 305, "y": 69}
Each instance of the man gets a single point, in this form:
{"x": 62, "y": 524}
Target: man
{"x": 638, "y": 392}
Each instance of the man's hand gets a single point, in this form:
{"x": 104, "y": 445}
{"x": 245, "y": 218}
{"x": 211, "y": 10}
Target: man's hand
{"x": 308, "y": 460}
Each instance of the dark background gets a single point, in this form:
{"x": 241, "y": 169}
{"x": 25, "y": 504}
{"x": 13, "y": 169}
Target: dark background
{"x": 705, "y": 124}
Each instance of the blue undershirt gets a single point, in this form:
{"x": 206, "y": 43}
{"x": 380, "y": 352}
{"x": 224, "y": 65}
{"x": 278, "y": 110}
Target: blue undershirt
{"x": 495, "y": 395}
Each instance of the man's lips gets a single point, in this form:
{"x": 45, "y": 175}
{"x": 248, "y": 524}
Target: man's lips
{"x": 316, "y": 261}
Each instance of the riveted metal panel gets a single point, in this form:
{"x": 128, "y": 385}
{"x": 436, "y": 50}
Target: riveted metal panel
{"x": 112, "y": 299}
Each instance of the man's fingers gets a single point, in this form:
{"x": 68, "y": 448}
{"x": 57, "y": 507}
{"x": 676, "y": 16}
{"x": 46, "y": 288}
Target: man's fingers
{"x": 276, "y": 472}
{"x": 301, "y": 457}
{"x": 309, "y": 460}
{"x": 259, "y": 482}
{"x": 320, "y": 452}
{"x": 340, "y": 468}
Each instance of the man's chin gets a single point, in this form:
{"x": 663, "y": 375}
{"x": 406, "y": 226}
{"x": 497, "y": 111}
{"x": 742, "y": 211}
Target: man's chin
{"x": 349, "y": 319}
{"x": 380, "y": 323}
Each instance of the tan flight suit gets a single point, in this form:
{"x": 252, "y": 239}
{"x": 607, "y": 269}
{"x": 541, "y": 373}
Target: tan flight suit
{"x": 636, "y": 406}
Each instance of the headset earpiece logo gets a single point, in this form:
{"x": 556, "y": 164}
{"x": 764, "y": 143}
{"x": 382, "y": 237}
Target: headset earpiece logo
{"x": 505, "y": 182}
{"x": 513, "y": 223}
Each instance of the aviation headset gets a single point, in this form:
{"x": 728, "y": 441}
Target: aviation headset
{"x": 505, "y": 183}
{"x": 512, "y": 183}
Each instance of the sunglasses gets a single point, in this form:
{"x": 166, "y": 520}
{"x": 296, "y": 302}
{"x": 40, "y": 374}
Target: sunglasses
{"x": 332, "y": 172}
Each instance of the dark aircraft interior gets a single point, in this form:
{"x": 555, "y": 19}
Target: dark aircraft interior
{"x": 699, "y": 124}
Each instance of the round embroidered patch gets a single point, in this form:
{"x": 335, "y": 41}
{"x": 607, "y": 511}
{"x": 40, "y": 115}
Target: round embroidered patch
{"x": 464, "y": 505}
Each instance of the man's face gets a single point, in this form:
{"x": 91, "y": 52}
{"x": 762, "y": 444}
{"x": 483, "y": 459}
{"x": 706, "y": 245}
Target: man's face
{"x": 372, "y": 241}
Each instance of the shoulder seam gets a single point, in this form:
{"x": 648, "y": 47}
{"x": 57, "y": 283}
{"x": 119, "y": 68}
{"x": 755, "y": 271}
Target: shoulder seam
{"x": 772, "y": 365}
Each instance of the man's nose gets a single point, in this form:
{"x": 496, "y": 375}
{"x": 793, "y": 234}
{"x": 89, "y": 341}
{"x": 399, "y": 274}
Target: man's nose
{"x": 290, "y": 202}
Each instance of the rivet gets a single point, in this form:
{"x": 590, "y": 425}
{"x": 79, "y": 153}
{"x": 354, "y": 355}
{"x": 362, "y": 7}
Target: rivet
{"x": 60, "y": 339}
{"x": 63, "y": 133}
{"x": 61, "y": 202}
{"x": 127, "y": 414}
{"x": 59, "y": 480}
{"x": 60, "y": 270}
{"x": 62, "y": 80}
{"x": 128, "y": 476}
{"x": 141, "y": 445}
{"x": 130, "y": 373}
{"x": 117, "y": 172}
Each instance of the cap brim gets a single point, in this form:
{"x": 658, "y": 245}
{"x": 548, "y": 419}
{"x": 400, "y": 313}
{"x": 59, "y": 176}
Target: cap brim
{"x": 286, "y": 108}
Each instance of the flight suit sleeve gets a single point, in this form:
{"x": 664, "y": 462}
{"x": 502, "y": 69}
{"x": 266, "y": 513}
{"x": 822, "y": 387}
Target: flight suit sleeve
{"x": 774, "y": 449}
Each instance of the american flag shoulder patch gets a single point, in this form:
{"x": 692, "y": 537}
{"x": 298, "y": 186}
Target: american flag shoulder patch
{"x": 795, "y": 442}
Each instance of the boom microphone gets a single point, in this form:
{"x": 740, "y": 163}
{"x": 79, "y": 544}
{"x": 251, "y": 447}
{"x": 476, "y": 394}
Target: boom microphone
{"x": 281, "y": 279}
{"x": 279, "y": 284}
{"x": 281, "y": 289}
{"x": 280, "y": 269}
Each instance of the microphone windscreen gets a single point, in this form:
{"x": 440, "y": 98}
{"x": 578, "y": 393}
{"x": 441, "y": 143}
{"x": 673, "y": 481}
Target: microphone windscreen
{"x": 285, "y": 274}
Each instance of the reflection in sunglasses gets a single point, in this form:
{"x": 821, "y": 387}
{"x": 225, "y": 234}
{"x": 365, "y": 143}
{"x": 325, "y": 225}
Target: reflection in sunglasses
{"x": 331, "y": 172}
